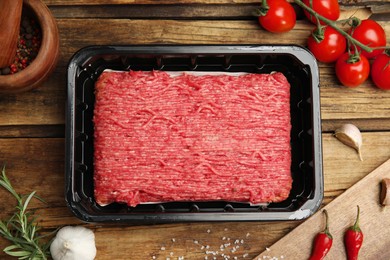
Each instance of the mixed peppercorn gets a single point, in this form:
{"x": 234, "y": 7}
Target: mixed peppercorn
{"x": 29, "y": 42}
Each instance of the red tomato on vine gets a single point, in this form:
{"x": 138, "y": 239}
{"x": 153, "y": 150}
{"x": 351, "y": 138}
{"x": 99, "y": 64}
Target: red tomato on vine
{"x": 329, "y": 9}
{"x": 352, "y": 69}
{"x": 380, "y": 71}
{"x": 331, "y": 45}
{"x": 370, "y": 33}
{"x": 277, "y": 16}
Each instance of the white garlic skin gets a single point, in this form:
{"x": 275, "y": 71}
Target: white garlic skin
{"x": 350, "y": 135}
{"x": 73, "y": 243}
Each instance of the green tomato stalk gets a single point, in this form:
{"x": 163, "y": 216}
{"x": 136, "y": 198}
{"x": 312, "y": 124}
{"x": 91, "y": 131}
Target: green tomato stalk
{"x": 334, "y": 26}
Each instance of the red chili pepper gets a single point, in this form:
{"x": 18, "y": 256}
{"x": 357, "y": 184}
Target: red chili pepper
{"x": 322, "y": 242}
{"x": 354, "y": 239}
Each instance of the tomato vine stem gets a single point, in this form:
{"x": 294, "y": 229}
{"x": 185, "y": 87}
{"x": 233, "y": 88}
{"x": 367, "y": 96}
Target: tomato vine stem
{"x": 333, "y": 25}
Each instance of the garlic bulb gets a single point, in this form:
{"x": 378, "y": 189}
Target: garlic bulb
{"x": 73, "y": 243}
{"x": 350, "y": 135}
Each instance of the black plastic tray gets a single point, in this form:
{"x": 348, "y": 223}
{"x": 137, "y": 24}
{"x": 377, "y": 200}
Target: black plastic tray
{"x": 295, "y": 62}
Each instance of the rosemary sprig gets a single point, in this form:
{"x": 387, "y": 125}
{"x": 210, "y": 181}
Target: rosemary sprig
{"x": 21, "y": 228}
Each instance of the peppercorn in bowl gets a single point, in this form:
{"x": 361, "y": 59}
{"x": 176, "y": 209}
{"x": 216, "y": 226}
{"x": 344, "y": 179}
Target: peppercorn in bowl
{"x": 37, "y": 51}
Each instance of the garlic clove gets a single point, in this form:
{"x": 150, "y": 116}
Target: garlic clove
{"x": 73, "y": 243}
{"x": 350, "y": 135}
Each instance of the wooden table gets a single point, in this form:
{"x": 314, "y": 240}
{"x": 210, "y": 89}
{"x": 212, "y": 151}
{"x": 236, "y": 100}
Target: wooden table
{"x": 32, "y": 124}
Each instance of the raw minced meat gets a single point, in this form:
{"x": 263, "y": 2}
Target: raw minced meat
{"x": 160, "y": 138}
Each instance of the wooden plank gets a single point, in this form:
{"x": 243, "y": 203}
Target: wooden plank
{"x": 36, "y": 131}
{"x": 363, "y": 124}
{"x": 198, "y": 11}
{"x": 342, "y": 213}
{"x": 42, "y": 106}
{"x": 38, "y": 164}
{"x": 151, "y": 2}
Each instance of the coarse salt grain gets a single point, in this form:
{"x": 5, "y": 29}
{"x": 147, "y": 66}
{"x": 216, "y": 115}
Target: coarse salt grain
{"x": 162, "y": 248}
{"x": 154, "y": 257}
{"x": 173, "y": 240}
{"x": 267, "y": 249}
{"x": 171, "y": 253}
{"x": 208, "y": 231}
{"x": 248, "y": 234}
{"x": 245, "y": 255}
{"x": 242, "y": 241}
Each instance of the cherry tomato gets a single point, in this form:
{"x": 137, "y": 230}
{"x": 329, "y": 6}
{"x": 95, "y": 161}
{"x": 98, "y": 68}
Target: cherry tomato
{"x": 330, "y": 48}
{"x": 327, "y": 8}
{"x": 279, "y": 18}
{"x": 352, "y": 74}
{"x": 380, "y": 71}
{"x": 370, "y": 33}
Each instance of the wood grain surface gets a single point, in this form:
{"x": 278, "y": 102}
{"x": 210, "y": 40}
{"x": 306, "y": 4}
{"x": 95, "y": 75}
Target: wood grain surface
{"x": 342, "y": 214}
{"x": 32, "y": 124}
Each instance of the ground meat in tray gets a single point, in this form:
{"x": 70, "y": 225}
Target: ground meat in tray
{"x": 162, "y": 137}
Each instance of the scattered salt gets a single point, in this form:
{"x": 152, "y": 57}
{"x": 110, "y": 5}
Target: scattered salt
{"x": 208, "y": 231}
{"x": 202, "y": 248}
{"x": 173, "y": 240}
{"x": 154, "y": 257}
{"x": 267, "y": 249}
{"x": 242, "y": 241}
{"x": 162, "y": 248}
{"x": 245, "y": 255}
{"x": 248, "y": 234}
{"x": 171, "y": 253}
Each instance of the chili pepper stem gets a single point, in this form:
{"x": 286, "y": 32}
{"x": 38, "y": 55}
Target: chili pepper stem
{"x": 326, "y": 230}
{"x": 355, "y": 226}
{"x": 333, "y": 25}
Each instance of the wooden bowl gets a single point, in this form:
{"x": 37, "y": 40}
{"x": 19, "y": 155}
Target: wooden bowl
{"x": 46, "y": 60}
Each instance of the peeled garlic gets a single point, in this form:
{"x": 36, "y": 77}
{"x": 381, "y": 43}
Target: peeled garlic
{"x": 350, "y": 135}
{"x": 73, "y": 243}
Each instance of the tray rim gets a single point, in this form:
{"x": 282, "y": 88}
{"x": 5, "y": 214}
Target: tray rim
{"x": 303, "y": 212}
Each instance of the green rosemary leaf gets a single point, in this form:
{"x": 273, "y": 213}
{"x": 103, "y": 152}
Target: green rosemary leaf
{"x": 7, "y": 185}
{"x": 21, "y": 228}
{"x": 14, "y": 250}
